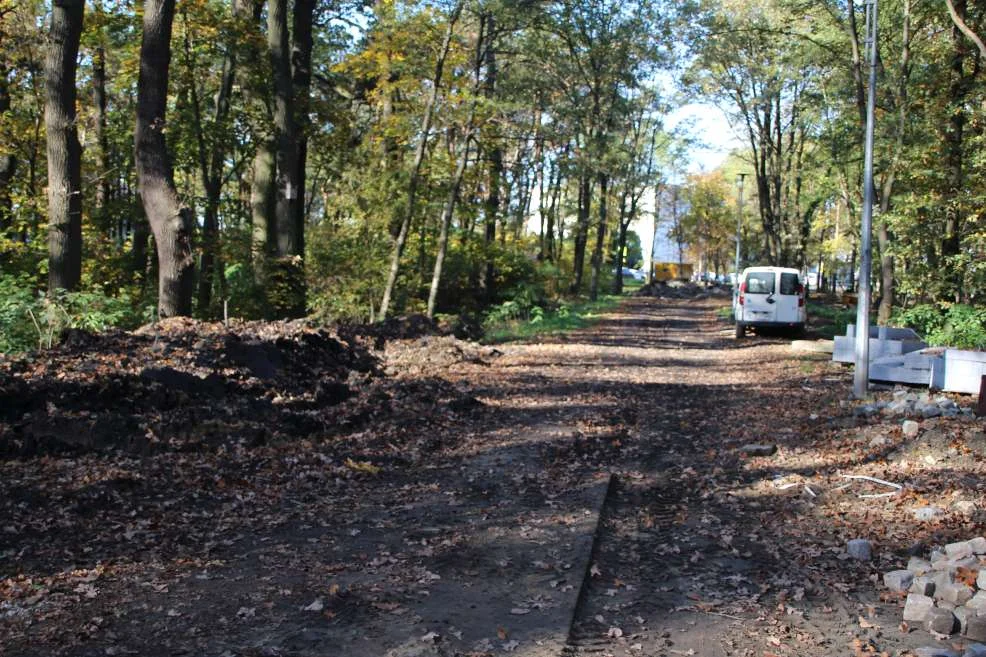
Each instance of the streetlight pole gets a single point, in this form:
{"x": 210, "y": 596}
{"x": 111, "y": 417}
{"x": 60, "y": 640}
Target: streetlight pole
{"x": 861, "y": 375}
{"x": 739, "y": 224}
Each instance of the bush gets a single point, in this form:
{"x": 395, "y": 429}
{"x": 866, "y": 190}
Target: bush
{"x": 955, "y": 325}
{"x": 30, "y": 320}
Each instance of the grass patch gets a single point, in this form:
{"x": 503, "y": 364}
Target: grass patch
{"x": 569, "y": 315}
{"x": 725, "y": 314}
{"x": 829, "y": 320}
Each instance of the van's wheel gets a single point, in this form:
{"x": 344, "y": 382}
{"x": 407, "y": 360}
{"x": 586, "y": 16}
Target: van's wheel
{"x": 740, "y": 330}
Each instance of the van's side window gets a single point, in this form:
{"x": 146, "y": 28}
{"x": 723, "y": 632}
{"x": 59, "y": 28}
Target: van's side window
{"x": 760, "y": 283}
{"x": 789, "y": 283}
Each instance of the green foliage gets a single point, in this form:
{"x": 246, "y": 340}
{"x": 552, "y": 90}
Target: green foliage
{"x": 29, "y": 320}
{"x": 955, "y": 325}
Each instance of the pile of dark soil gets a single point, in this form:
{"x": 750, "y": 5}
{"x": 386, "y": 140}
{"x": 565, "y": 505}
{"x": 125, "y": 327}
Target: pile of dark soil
{"x": 187, "y": 385}
{"x": 679, "y": 290}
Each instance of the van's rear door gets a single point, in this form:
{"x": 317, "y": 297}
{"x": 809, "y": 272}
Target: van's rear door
{"x": 788, "y": 300}
{"x": 760, "y": 297}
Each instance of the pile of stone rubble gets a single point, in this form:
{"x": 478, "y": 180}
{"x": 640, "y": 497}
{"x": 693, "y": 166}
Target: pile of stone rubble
{"x": 911, "y": 404}
{"x": 946, "y": 593}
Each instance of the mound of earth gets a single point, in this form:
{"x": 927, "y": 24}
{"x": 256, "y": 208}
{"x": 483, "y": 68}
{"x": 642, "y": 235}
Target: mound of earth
{"x": 681, "y": 290}
{"x": 186, "y": 385}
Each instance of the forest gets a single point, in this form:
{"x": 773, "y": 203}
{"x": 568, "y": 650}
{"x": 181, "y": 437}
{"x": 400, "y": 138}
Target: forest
{"x": 349, "y": 160}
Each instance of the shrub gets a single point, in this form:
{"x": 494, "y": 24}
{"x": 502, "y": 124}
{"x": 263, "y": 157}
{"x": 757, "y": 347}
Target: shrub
{"x": 31, "y": 320}
{"x": 955, "y": 325}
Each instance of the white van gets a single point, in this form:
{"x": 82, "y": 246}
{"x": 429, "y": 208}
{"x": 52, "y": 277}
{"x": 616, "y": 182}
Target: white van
{"x": 770, "y": 297}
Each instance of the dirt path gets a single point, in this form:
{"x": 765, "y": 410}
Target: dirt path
{"x": 594, "y": 502}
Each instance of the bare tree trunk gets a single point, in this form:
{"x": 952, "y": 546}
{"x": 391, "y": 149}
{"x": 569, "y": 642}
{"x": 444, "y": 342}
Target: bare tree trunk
{"x": 8, "y": 162}
{"x": 419, "y": 156}
{"x": 102, "y": 141}
{"x": 581, "y": 231}
{"x": 212, "y": 160}
{"x": 171, "y": 223}
{"x": 301, "y": 80}
{"x": 64, "y": 151}
{"x": 450, "y": 201}
{"x": 597, "y": 251}
{"x": 491, "y": 210}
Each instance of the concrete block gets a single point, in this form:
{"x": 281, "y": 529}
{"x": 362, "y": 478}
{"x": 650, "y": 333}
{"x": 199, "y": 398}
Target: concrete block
{"x": 927, "y": 513}
{"x": 981, "y": 579}
{"x": 957, "y": 594}
{"x": 759, "y": 450}
{"x": 918, "y": 566}
{"x": 940, "y": 621}
{"x": 937, "y": 555}
{"x": 910, "y": 428}
{"x": 977, "y": 602}
{"x": 923, "y": 584}
{"x": 917, "y": 607}
{"x": 978, "y": 545}
{"x": 962, "y": 617}
{"x": 964, "y": 370}
{"x": 859, "y": 549}
{"x": 898, "y": 580}
{"x": 976, "y": 629}
{"x": 959, "y": 549}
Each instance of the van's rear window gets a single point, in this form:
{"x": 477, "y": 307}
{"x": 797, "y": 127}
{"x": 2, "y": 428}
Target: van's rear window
{"x": 789, "y": 283}
{"x": 760, "y": 282}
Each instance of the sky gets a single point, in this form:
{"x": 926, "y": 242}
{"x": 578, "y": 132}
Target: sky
{"x": 707, "y": 124}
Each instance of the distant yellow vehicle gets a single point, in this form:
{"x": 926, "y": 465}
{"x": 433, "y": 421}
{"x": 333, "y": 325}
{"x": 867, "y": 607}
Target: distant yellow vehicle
{"x": 673, "y": 271}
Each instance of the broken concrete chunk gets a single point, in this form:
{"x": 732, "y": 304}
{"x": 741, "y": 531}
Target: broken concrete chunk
{"x": 917, "y": 607}
{"x": 918, "y": 566}
{"x": 957, "y": 594}
{"x": 979, "y": 543}
{"x": 981, "y": 579}
{"x": 926, "y": 513}
{"x": 968, "y": 508}
{"x": 923, "y": 584}
{"x": 859, "y": 549}
{"x": 937, "y": 555}
{"x": 755, "y": 449}
{"x": 976, "y": 629}
{"x": 898, "y": 580}
{"x": 977, "y": 602}
{"x": 941, "y": 621}
{"x": 910, "y": 428}
{"x": 959, "y": 550}
{"x": 962, "y": 616}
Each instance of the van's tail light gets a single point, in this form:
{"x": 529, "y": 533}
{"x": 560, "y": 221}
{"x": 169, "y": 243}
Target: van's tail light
{"x": 742, "y": 292}
{"x": 801, "y": 295}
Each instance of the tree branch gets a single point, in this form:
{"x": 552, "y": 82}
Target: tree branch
{"x": 965, "y": 29}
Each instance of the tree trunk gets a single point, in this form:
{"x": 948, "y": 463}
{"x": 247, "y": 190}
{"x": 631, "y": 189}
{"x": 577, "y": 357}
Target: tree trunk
{"x": 301, "y": 81}
{"x": 171, "y": 223}
{"x": 491, "y": 207}
{"x": 581, "y": 231}
{"x": 419, "y": 156}
{"x": 953, "y": 139}
{"x": 262, "y": 206}
{"x": 8, "y": 162}
{"x": 597, "y": 251}
{"x": 212, "y": 160}
{"x": 450, "y": 201}
{"x": 102, "y": 140}
{"x": 64, "y": 151}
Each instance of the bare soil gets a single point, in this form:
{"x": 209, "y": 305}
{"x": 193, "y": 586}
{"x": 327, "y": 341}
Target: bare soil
{"x": 282, "y": 490}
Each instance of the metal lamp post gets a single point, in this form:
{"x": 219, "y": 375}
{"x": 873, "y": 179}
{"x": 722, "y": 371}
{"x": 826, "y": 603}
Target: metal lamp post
{"x": 739, "y": 224}
{"x": 861, "y": 375}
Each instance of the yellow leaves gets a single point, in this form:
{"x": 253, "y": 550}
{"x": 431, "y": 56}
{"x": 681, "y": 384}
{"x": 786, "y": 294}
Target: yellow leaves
{"x": 362, "y": 466}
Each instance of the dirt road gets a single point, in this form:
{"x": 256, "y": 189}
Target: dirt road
{"x": 586, "y": 495}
